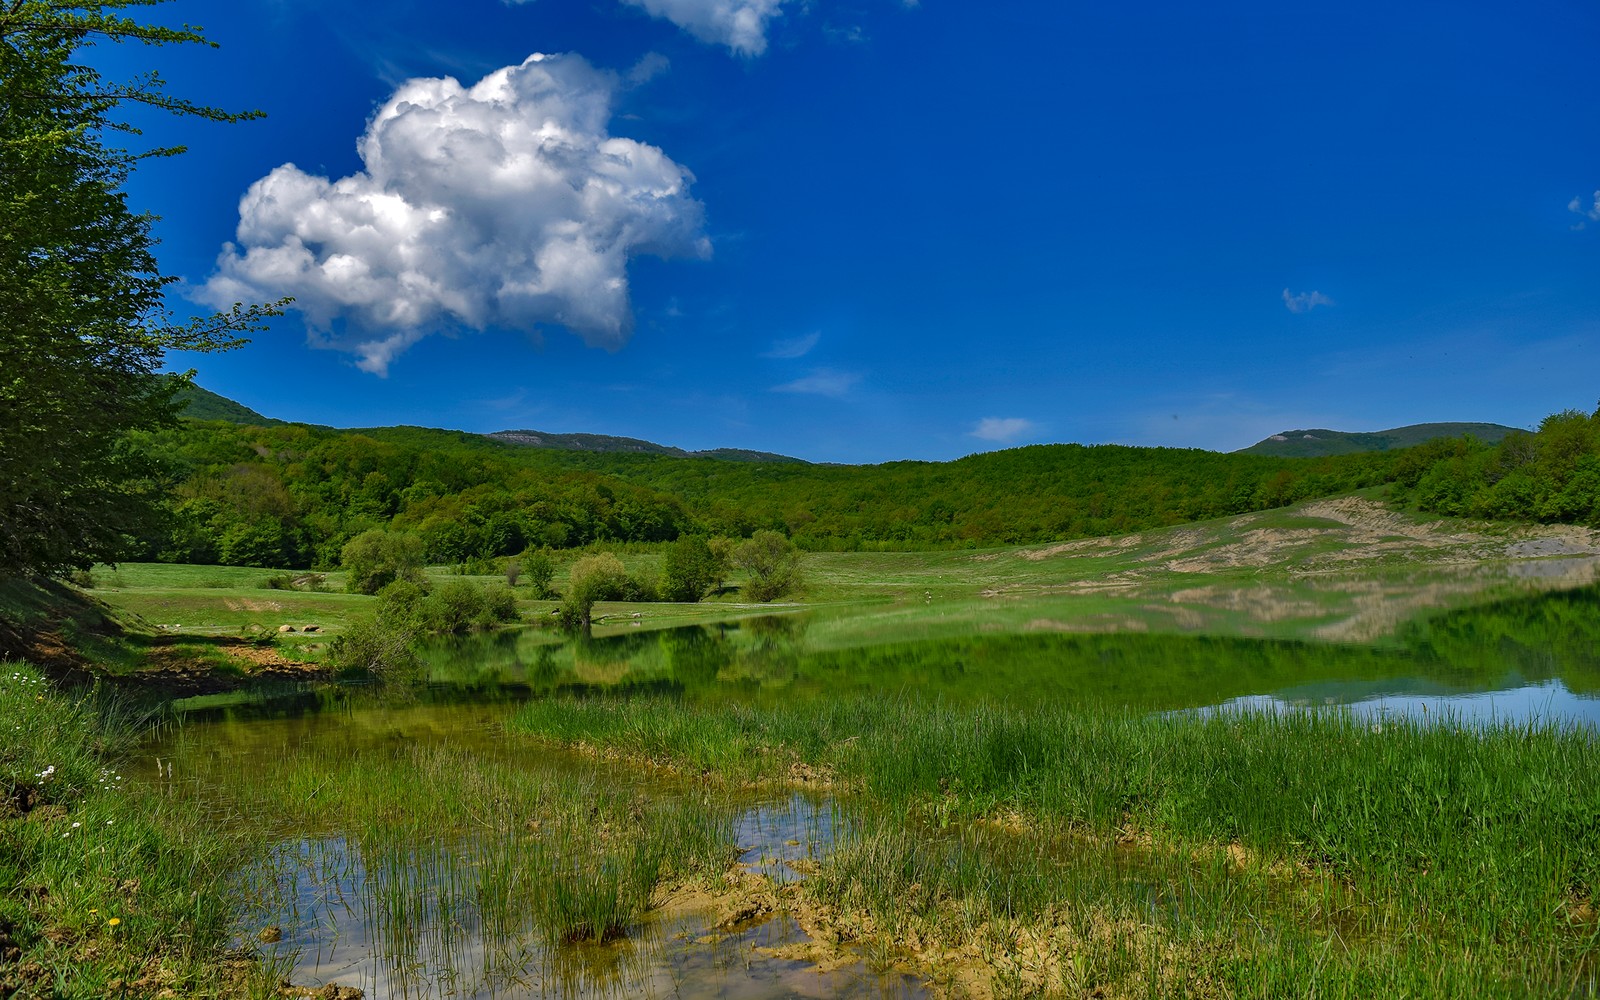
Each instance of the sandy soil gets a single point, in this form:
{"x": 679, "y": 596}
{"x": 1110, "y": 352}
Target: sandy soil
{"x": 1365, "y": 566}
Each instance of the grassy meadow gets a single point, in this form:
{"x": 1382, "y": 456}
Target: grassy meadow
{"x": 1347, "y": 569}
{"x": 109, "y": 888}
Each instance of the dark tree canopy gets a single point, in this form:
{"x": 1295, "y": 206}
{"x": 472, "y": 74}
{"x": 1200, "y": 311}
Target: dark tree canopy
{"x": 83, "y": 325}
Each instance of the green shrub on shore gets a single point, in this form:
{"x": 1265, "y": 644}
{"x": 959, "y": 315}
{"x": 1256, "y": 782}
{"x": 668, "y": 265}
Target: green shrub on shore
{"x": 407, "y": 611}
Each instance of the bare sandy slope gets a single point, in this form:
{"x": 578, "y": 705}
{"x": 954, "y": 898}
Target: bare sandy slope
{"x": 1350, "y": 567}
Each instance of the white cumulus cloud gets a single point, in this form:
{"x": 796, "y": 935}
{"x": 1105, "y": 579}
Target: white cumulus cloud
{"x": 506, "y": 204}
{"x": 741, "y": 25}
{"x": 1301, "y": 302}
{"x": 1001, "y": 430}
{"x": 1590, "y": 213}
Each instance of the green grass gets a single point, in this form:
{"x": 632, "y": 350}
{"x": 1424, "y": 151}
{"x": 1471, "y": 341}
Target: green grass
{"x": 1317, "y": 850}
{"x": 104, "y": 884}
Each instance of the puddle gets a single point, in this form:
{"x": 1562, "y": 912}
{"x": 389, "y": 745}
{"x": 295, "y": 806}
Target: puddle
{"x": 400, "y": 927}
{"x": 782, "y": 840}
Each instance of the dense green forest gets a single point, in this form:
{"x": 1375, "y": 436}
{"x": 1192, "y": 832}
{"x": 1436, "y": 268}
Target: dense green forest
{"x": 292, "y": 495}
{"x": 1551, "y": 475}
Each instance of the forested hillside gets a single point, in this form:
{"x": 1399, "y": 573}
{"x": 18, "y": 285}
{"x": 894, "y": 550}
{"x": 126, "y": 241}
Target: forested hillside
{"x": 292, "y": 495}
{"x": 1551, "y": 475}
{"x": 1319, "y": 442}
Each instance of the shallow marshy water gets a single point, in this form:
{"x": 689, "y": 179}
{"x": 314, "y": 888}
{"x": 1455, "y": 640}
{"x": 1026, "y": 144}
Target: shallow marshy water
{"x": 334, "y": 931}
{"x": 378, "y": 893}
{"x": 412, "y": 848}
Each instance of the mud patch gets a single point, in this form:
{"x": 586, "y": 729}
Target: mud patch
{"x": 1089, "y": 623}
{"x": 250, "y": 604}
{"x": 1099, "y": 546}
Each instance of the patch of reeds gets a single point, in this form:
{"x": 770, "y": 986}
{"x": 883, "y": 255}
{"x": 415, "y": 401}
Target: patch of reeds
{"x": 450, "y": 842}
{"x": 1265, "y": 849}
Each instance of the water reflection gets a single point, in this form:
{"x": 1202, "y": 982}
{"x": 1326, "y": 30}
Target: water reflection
{"x": 1537, "y": 704}
{"x": 1550, "y": 642}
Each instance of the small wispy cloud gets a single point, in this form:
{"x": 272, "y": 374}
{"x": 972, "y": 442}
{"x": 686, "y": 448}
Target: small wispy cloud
{"x": 1002, "y": 430}
{"x": 741, "y": 25}
{"x": 1303, "y": 302}
{"x": 845, "y": 34}
{"x": 797, "y": 347}
{"x": 822, "y": 382}
{"x": 649, "y": 66}
{"x": 1589, "y": 213}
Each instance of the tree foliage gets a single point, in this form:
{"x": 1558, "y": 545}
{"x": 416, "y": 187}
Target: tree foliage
{"x": 302, "y": 492}
{"x": 773, "y": 564}
{"x": 691, "y": 569}
{"x": 594, "y": 578}
{"x": 1551, "y": 475}
{"x": 83, "y": 324}
{"x": 375, "y": 559}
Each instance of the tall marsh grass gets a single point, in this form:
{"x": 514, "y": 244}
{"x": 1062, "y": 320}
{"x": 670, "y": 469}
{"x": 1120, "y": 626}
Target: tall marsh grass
{"x": 1268, "y": 849}
{"x": 452, "y": 842}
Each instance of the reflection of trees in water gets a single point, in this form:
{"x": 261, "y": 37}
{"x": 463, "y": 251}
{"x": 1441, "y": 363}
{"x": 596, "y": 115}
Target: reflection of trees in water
{"x": 619, "y": 661}
{"x": 475, "y": 658}
{"x": 773, "y": 651}
{"x": 749, "y": 654}
{"x": 1541, "y": 637}
{"x": 697, "y": 655}
{"x": 1532, "y": 638}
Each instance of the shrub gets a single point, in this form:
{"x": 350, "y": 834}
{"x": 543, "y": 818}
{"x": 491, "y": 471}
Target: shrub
{"x": 691, "y": 569}
{"x": 452, "y": 608}
{"x": 376, "y": 558}
{"x": 499, "y": 606}
{"x": 401, "y": 603}
{"x": 599, "y": 577}
{"x": 373, "y": 646}
{"x": 539, "y": 570}
{"x": 773, "y": 564}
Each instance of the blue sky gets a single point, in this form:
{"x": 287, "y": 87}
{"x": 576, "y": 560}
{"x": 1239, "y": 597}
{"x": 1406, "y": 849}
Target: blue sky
{"x": 867, "y": 230}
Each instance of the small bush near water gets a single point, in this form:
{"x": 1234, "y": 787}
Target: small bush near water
{"x": 382, "y": 644}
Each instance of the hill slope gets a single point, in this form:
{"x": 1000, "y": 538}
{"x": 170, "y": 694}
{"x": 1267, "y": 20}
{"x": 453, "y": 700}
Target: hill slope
{"x": 203, "y": 404}
{"x": 1320, "y": 442}
{"x": 608, "y": 444}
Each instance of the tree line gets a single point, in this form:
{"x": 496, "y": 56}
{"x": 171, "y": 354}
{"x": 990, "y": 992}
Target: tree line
{"x": 1551, "y": 475}
{"x": 294, "y": 495}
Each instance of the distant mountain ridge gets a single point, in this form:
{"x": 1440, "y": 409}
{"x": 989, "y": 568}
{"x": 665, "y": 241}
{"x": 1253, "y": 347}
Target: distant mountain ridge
{"x": 196, "y": 403}
{"x": 203, "y": 404}
{"x": 612, "y": 444}
{"x": 1318, "y": 442}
